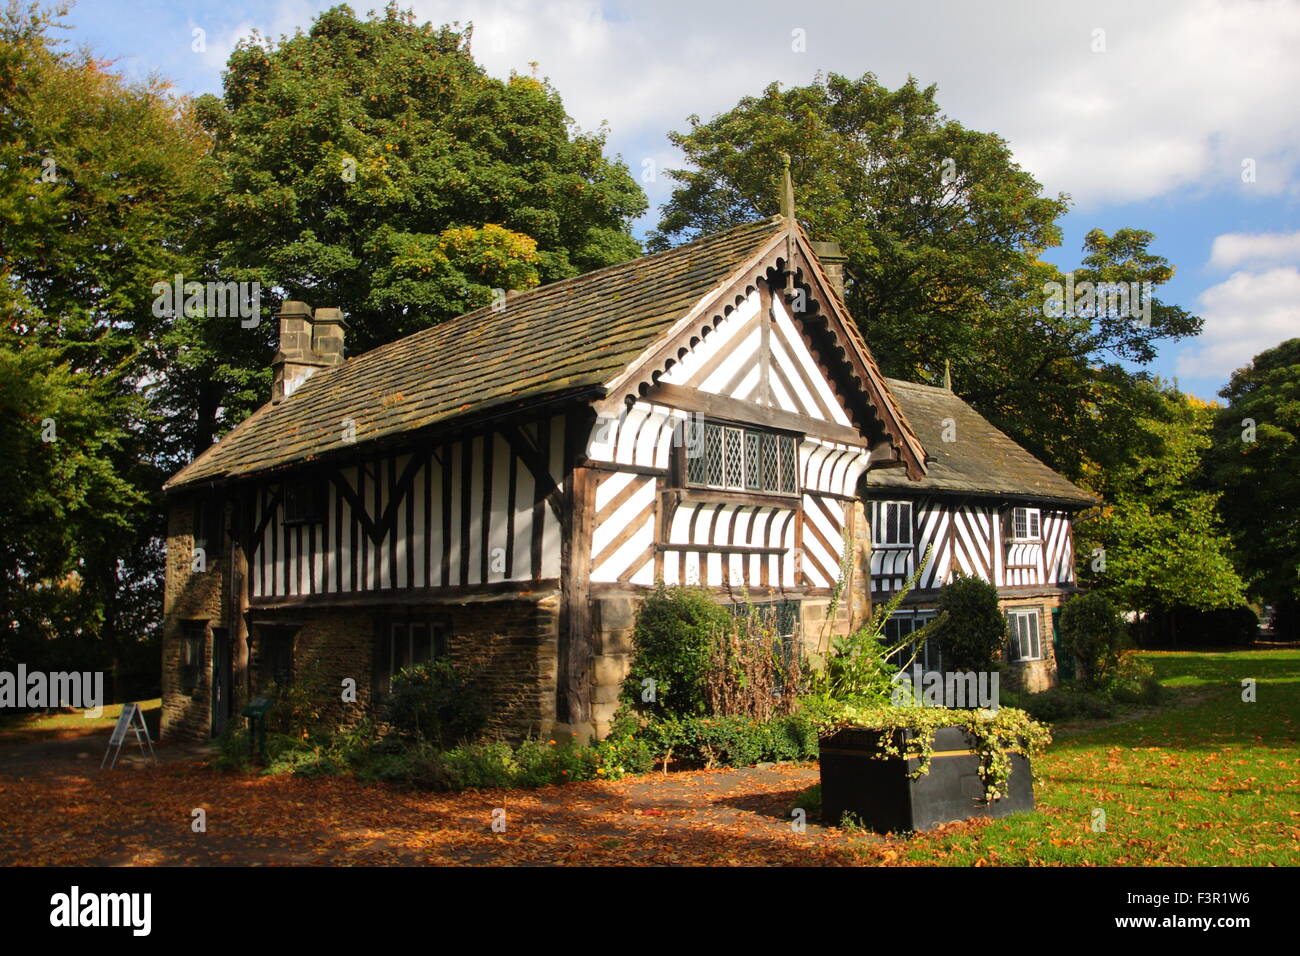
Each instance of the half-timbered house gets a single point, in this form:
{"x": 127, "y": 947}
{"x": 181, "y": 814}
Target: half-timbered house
{"x": 503, "y": 488}
{"x": 986, "y": 507}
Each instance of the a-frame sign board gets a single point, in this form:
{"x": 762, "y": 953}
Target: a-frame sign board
{"x": 132, "y": 719}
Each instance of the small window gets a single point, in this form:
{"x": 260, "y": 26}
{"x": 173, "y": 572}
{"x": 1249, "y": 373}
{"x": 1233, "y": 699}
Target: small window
{"x": 781, "y": 619}
{"x": 208, "y": 525}
{"x": 410, "y": 642}
{"x": 743, "y": 459}
{"x": 192, "y": 641}
{"x": 1026, "y": 644}
{"x": 907, "y": 622}
{"x": 781, "y": 616}
{"x": 893, "y": 524}
{"x": 1027, "y": 524}
{"x": 304, "y": 502}
{"x": 274, "y": 648}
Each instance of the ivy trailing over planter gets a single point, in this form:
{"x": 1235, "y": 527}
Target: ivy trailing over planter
{"x": 907, "y": 733}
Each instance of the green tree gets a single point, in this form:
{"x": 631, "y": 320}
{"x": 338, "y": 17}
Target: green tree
{"x": 972, "y": 630}
{"x": 1254, "y": 457}
{"x": 1164, "y": 545}
{"x": 372, "y": 164}
{"x": 944, "y": 235}
{"x": 97, "y": 184}
{"x": 1091, "y": 631}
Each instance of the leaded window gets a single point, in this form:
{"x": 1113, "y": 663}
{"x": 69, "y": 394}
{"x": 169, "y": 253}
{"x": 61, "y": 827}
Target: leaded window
{"x": 744, "y": 459}
{"x": 893, "y": 524}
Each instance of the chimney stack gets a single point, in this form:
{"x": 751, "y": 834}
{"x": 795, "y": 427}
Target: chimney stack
{"x": 832, "y": 259}
{"x": 308, "y": 341}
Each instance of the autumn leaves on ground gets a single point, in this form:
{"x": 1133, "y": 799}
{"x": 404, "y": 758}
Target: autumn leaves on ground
{"x": 1209, "y": 780}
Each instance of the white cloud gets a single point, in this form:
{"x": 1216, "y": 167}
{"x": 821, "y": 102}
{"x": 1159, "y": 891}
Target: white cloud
{"x": 1184, "y": 92}
{"x": 1235, "y": 249}
{"x": 1244, "y": 315}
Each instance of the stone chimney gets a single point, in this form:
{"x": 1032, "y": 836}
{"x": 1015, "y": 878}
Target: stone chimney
{"x": 832, "y": 259}
{"x": 307, "y": 342}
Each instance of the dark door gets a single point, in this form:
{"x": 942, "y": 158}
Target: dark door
{"x": 221, "y": 680}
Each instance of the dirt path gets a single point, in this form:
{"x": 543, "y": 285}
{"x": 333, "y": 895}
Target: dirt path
{"x": 58, "y": 807}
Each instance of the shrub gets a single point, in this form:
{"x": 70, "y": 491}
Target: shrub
{"x": 295, "y": 709}
{"x": 752, "y": 671}
{"x": 1065, "y": 703}
{"x": 1133, "y": 681}
{"x": 1091, "y": 631}
{"x": 861, "y": 665}
{"x": 435, "y": 703}
{"x": 674, "y": 636}
{"x": 734, "y": 741}
{"x": 974, "y": 629}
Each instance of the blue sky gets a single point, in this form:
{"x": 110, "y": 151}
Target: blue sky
{"x": 1143, "y": 113}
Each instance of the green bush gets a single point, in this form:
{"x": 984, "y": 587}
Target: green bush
{"x": 674, "y": 636}
{"x": 1133, "y": 681}
{"x": 435, "y": 703}
{"x": 973, "y": 630}
{"x": 1063, "y": 703}
{"x": 730, "y": 741}
{"x": 1091, "y": 631}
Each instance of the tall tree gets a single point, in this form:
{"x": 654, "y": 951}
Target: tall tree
{"x": 374, "y": 165}
{"x": 98, "y": 186}
{"x": 1255, "y": 458}
{"x": 1159, "y": 543}
{"x": 944, "y": 234}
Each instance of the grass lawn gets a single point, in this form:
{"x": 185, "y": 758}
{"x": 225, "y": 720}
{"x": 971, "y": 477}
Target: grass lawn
{"x": 57, "y": 726}
{"x": 1213, "y": 782}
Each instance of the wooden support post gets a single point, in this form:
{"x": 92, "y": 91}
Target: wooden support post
{"x": 573, "y": 684}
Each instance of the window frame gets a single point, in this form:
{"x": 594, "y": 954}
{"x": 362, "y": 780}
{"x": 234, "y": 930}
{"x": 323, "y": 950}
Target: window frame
{"x": 742, "y": 449}
{"x": 917, "y": 619}
{"x": 208, "y": 524}
{"x": 877, "y": 538}
{"x": 194, "y": 639}
{"x": 1015, "y": 637}
{"x": 315, "y": 491}
{"x": 1031, "y": 535}
{"x": 438, "y": 629}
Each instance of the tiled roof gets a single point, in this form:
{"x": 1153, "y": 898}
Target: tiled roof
{"x": 558, "y": 338}
{"x": 982, "y": 460}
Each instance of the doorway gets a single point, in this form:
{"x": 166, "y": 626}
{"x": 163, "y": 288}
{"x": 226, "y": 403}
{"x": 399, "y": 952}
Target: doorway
{"x": 222, "y": 680}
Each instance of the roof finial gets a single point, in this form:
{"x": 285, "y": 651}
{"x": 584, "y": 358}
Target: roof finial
{"x": 787, "y": 189}
{"x": 947, "y": 374}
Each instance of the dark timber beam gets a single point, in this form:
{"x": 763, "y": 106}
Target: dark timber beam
{"x": 720, "y": 406}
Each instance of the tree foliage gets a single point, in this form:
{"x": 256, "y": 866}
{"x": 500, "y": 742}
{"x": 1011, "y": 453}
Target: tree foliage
{"x": 1254, "y": 455}
{"x": 1162, "y": 542}
{"x": 1092, "y": 632}
{"x": 944, "y": 235}
{"x": 372, "y": 164}
{"x": 97, "y": 178}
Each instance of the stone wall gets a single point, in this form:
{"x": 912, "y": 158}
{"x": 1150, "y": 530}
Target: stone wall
{"x": 507, "y": 646}
{"x": 188, "y": 596}
{"x": 1040, "y": 675}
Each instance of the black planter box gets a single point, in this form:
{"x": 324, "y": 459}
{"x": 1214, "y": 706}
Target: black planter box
{"x": 881, "y": 795}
